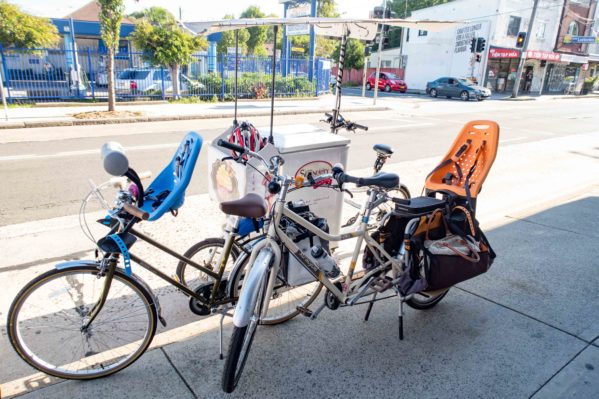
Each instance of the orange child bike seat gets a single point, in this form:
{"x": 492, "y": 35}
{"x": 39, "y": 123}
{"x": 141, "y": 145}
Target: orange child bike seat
{"x": 467, "y": 163}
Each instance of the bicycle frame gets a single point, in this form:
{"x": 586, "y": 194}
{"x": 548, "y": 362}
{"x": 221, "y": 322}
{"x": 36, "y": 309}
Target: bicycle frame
{"x": 347, "y": 294}
{"x": 351, "y": 281}
{"x": 231, "y": 239}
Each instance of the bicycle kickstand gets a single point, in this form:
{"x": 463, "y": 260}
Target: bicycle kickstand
{"x": 401, "y": 301}
{"x": 370, "y": 306}
{"x": 220, "y": 333}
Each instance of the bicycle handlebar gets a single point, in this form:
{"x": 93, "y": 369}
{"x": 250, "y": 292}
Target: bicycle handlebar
{"x": 135, "y": 211}
{"x": 231, "y": 146}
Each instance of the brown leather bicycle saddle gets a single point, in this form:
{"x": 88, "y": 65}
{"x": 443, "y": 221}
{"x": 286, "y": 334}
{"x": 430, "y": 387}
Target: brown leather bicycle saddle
{"x": 250, "y": 206}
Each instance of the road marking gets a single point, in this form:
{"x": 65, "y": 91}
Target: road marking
{"x": 513, "y": 139}
{"x": 380, "y": 128}
{"x": 65, "y": 154}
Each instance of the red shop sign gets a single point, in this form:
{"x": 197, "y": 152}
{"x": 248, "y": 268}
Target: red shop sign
{"x": 543, "y": 55}
{"x": 503, "y": 53}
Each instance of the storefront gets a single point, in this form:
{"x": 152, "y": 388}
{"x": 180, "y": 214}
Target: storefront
{"x": 565, "y": 76}
{"x": 501, "y": 69}
{"x": 536, "y": 67}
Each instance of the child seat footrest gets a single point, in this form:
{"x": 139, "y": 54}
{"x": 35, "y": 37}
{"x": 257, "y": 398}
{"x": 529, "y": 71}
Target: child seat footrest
{"x": 418, "y": 206}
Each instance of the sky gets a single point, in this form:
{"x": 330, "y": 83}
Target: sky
{"x": 192, "y": 10}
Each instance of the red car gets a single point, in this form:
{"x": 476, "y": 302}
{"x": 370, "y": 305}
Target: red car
{"x": 387, "y": 81}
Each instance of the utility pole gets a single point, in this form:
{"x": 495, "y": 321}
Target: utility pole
{"x": 524, "y": 49}
{"x": 364, "y": 77}
{"x": 3, "y": 98}
{"x": 378, "y": 61}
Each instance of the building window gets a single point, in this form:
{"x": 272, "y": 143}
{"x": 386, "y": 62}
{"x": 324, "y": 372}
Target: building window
{"x": 514, "y": 26}
{"x": 422, "y": 32}
{"x": 541, "y": 29}
{"x": 573, "y": 29}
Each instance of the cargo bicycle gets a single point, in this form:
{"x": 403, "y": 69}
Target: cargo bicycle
{"x": 273, "y": 254}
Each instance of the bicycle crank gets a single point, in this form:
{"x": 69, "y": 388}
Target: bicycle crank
{"x": 201, "y": 308}
{"x": 330, "y": 300}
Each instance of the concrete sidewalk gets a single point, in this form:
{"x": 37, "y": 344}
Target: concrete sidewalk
{"x": 26, "y": 117}
{"x": 527, "y": 328}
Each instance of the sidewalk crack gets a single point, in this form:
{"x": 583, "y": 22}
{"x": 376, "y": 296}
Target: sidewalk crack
{"x": 179, "y": 373}
{"x": 525, "y": 315}
{"x": 559, "y": 371}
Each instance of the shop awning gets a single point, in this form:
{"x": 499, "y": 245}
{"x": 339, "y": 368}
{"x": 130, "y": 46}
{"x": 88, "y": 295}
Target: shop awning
{"x": 363, "y": 29}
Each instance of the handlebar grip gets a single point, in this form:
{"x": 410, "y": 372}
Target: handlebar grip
{"x": 230, "y": 146}
{"x": 344, "y": 178}
{"x": 358, "y": 126}
{"x": 135, "y": 211}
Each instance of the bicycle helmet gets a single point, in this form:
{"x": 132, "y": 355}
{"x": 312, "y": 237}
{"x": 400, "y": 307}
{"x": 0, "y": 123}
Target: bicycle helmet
{"x": 247, "y": 136}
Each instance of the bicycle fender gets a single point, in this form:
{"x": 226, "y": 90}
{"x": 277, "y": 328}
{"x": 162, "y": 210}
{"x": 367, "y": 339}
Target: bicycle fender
{"x": 251, "y": 287}
{"x": 155, "y": 303}
{"x": 240, "y": 263}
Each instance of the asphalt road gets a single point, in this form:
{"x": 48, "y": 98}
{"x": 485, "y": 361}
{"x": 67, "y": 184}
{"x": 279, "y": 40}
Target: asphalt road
{"x": 44, "y": 171}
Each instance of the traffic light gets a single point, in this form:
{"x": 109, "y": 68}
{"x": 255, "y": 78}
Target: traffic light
{"x": 473, "y": 45}
{"x": 480, "y": 44}
{"x": 367, "y": 51}
{"x": 388, "y": 14}
{"x": 520, "y": 39}
{"x": 378, "y": 12}
{"x": 478, "y": 57}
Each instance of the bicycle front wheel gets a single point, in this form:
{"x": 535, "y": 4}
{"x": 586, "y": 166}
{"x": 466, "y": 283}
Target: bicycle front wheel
{"x": 47, "y": 323}
{"x": 285, "y": 299}
{"x": 241, "y": 342}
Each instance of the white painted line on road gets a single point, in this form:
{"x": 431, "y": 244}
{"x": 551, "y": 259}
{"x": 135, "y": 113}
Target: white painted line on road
{"x": 96, "y": 151}
{"x": 380, "y": 128}
{"x": 513, "y": 139}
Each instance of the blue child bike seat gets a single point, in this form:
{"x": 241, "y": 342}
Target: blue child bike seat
{"x": 167, "y": 191}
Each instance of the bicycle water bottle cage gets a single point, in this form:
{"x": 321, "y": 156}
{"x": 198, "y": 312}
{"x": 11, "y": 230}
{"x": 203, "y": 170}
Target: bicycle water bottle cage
{"x": 172, "y": 182}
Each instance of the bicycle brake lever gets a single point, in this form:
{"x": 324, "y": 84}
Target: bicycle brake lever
{"x": 238, "y": 159}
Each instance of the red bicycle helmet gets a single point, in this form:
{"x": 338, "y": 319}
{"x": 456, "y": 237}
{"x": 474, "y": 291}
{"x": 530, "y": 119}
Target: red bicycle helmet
{"x": 247, "y": 136}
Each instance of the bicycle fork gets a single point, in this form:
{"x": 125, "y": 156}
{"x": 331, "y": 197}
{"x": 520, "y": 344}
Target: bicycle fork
{"x": 98, "y": 306}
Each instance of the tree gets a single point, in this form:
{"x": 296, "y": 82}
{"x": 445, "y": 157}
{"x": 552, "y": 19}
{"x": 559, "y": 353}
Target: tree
{"x": 111, "y": 15}
{"x": 227, "y": 39}
{"x": 403, "y": 9}
{"x": 354, "y": 54}
{"x": 165, "y": 44}
{"x": 19, "y": 29}
{"x": 255, "y": 43}
{"x": 156, "y": 15}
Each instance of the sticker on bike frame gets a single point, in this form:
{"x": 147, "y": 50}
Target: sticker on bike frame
{"x": 124, "y": 251}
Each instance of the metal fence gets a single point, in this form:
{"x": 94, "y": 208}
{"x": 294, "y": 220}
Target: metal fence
{"x": 59, "y": 74}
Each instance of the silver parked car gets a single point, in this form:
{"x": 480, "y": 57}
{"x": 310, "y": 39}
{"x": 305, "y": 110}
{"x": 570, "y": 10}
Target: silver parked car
{"x": 149, "y": 80}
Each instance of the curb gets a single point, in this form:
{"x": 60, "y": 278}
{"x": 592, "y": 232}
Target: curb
{"x": 163, "y": 118}
{"x": 153, "y": 102}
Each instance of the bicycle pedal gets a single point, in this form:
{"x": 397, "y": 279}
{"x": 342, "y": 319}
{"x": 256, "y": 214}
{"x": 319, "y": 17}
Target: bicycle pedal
{"x": 304, "y": 311}
{"x": 382, "y": 284}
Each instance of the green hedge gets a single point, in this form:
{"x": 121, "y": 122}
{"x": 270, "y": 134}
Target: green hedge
{"x": 257, "y": 85}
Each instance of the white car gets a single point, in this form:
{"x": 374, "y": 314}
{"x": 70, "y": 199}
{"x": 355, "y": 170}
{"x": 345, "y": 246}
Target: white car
{"x": 149, "y": 81}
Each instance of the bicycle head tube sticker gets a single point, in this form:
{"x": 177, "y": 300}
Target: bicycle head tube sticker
{"x": 123, "y": 248}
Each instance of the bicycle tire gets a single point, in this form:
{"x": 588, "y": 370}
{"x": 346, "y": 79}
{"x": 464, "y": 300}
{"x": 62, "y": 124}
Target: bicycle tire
{"x": 41, "y": 362}
{"x": 424, "y": 304}
{"x": 215, "y": 242}
{"x": 242, "y": 338}
{"x": 292, "y": 312}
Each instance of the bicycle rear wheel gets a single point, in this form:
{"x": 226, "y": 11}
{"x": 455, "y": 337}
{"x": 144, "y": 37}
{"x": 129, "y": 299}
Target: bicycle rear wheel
{"x": 426, "y": 300}
{"x": 46, "y": 323}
